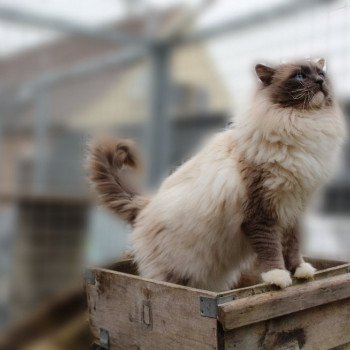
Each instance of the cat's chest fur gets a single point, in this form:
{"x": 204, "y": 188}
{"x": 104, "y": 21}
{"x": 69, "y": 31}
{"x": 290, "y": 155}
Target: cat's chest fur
{"x": 287, "y": 157}
{"x": 290, "y": 177}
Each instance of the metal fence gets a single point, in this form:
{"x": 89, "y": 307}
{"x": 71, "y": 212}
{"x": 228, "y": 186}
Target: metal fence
{"x": 159, "y": 49}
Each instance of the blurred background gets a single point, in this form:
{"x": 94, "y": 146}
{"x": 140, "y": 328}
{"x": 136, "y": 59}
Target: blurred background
{"x": 165, "y": 73}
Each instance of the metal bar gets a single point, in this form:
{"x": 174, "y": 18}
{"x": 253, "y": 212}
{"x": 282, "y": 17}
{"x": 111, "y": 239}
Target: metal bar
{"x": 116, "y": 60}
{"x": 41, "y": 139}
{"x": 158, "y": 131}
{"x": 11, "y": 100}
{"x": 255, "y": 19}
{"x": 90, "y": 277}
{"x": 104, "y": 339}
{"x": 127, "y": 56}
{"x": 2, "y": 147}
{"x": 14, "y": 15}
{"x": 183, "y": 23}
{"x": 209, "y": 306}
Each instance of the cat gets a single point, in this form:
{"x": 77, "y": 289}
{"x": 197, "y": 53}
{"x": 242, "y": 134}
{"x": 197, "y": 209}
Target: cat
{"x": 237, "y": 203}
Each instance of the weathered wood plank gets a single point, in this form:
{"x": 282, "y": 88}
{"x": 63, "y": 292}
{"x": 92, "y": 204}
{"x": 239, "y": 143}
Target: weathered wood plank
{"x": 333, "y": 271}
{"x": 322, "y": 264}
{"x": 268, "y": 305}
{"x": 342, "y": 347}
{"x": 321, "y": 328}
{"x": 146, "y": 314}
{"x": 334, "y": 268}
{"x": 264, "y": 288}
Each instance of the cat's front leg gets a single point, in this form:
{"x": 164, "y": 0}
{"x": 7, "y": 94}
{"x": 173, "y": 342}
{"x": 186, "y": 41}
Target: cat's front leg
{"x": 292, "y": 255}
{"x": 266, "y": 242}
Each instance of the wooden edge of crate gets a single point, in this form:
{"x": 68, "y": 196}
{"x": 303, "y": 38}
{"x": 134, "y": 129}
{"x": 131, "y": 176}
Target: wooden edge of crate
{"x": 322, "y": 263}
{"x": 127, "y": 266}
{"x": 128, "y": 311}
{"x": 273, "y": 304}
{"x": 126, "y": 263}
{"x": 264, "y": 288}
{"x": 91, "y": 271}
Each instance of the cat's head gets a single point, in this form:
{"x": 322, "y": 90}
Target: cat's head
{"x": 303, "y": 85}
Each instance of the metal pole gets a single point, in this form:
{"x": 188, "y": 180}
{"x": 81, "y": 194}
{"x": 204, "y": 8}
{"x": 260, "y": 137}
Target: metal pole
{"x": 41, "y": 139}
{"x": 158, "y": 130}
{"x": 2, "y": 146}
{"x": 16, "y": 15}
{"x": 255, "y": 19}
{"x": 27, "y": 91}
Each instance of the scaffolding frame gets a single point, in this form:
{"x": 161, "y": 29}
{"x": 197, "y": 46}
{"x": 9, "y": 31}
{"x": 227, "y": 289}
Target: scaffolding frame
{"x": 132, "y": 49}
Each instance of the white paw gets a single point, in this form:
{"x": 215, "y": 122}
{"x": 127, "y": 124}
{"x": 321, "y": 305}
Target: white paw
{"x": 305, "y": 270}
{"x": 279, "y": 277}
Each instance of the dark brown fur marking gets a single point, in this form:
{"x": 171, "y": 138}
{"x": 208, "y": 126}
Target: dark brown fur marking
{"x": 106, "y": 161}
{"x": 291, "y": 248}
{"x": 275, "y": 248}
{"x": 287, "y": 91}
{"x": 260, "y": 221}
{"x": 171, "y": 277}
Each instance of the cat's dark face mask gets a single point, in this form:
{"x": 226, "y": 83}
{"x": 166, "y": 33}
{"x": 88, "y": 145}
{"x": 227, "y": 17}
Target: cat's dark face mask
{"x": 301, "y": 86}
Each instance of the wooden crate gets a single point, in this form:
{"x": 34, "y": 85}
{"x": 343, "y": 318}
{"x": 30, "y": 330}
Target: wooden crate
{"x": 130, "y": 312}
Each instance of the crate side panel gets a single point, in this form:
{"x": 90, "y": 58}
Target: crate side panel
{"x": 322, "y": 328}
{"x": 241, "y": 312}
{"x": 143, "y": 314}
{"x": 254, "y": 289}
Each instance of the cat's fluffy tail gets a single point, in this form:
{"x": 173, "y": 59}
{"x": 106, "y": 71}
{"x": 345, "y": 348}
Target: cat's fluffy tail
{"x": 106, "y": 165}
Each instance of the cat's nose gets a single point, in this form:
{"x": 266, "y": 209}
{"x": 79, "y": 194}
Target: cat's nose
{"x": 320, "y": 81}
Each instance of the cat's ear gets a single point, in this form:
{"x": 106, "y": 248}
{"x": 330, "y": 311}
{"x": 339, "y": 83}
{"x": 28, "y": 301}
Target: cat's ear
{"x": 265, "y": 73}
{"x": 322, "y": 63}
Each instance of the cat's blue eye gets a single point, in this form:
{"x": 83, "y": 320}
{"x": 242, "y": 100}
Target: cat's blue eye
{"x": 299, "y": 77}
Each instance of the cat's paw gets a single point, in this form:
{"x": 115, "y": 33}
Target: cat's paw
{"x": 305, "y": 271}
{"x": 278, "y": 277}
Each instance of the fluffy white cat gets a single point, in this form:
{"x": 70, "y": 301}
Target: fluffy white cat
{"x": 240, "y": 199}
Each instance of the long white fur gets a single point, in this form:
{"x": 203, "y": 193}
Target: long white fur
{"x": 192, "y": 225}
